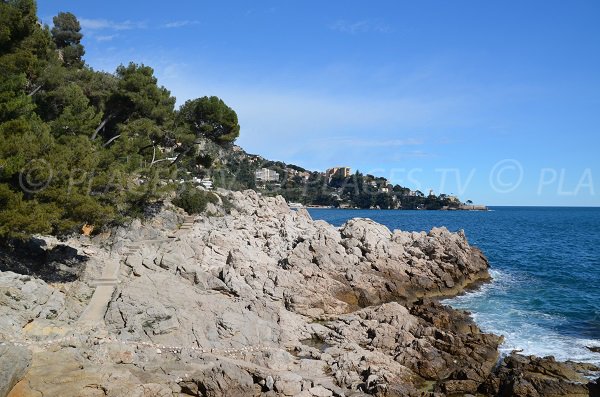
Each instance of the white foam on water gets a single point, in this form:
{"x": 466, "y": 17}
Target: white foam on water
{"x": 518, "y": 326}
{"x": 530, "y": 339}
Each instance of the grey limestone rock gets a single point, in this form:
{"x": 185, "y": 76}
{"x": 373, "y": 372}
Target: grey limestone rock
{"x": 261, "y": 300}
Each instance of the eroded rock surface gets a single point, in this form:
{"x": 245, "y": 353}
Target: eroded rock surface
{"x": 261, "y": 301}
{"x": 14, "y": 363}
{"x": 523, "y": 376}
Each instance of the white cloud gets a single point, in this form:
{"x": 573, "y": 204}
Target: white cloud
{"x": 362, "y": 26}
{"x": 313, "y": 127}
{"x": 374, "y": 142}
{"x": 105, "y": 37}
{"x": 105, "y": 24}
{"x": 319, "y": 112}
{"x": 180, "y": 24}
{"x": 91, "y": 24}
{"x": 295, "y": 127}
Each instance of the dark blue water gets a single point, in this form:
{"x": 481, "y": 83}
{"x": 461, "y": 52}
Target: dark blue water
{"x": 545, "y": 297}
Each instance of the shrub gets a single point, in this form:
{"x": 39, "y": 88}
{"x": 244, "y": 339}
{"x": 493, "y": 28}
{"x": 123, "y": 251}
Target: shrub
{"x": 227, "y": 204}
{"x": 194, "y": 201}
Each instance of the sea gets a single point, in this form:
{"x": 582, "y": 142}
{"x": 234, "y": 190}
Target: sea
{"x": 545, "y": 264}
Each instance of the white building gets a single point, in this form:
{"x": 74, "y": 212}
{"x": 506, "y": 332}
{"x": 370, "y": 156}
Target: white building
{"x": 266, "y": 175}
{"x": 205, "y": 182}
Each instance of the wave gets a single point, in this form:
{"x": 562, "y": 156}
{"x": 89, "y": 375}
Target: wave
{"x": 532, "y": 332}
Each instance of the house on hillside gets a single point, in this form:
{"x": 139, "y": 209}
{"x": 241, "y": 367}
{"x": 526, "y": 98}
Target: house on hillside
{"x": 344, "y": 172}
{"x": 266, "y": 175}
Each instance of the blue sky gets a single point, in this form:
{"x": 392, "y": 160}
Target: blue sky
{"x": 498, "y": 102}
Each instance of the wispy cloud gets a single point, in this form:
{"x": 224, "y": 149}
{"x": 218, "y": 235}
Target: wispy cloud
{"x": 105, "y": 37}
{"x": 105, "y": 24}
{"x": 357, "y": 142}
{"x": 179, "y": 24}
{"x": 362, "y": 26}
{"x": 110, "y": 25}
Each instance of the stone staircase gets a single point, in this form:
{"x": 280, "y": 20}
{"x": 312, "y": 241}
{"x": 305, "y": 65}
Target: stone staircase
{"x": 106, "y": 284}
{"x": 105, "y": 287}
{"x": 187, "y": 224}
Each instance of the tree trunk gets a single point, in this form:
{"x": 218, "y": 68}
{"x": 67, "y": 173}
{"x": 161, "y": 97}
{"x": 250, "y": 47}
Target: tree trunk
{"x": 111, "y": 140}
{"x": 32, "y": 93}
{"x": 101, "y": 126}
{"x": 153, "y": 155}
{"x": 180, "y": 156}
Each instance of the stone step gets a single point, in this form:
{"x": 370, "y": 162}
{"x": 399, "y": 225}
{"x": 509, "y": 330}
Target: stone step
{"x": 107, "y": 281}
{"x": 104, "y": 283}
{"x": 158, "y": 240}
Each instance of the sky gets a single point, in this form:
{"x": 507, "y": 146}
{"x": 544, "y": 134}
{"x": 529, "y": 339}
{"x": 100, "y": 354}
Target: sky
{"x": 496, "y": 102}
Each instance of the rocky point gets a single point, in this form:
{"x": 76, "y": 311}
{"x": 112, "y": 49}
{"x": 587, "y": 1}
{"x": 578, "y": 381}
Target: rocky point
{"x": 257, "y": 300}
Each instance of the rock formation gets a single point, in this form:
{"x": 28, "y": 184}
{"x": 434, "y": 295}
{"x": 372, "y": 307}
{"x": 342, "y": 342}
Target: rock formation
{"x": 260, "y": 301}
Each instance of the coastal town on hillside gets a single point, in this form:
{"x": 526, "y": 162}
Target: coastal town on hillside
{"x": 336, "y": 187}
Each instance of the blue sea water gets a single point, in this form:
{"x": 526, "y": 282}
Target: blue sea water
{"x": 545, "y": 262}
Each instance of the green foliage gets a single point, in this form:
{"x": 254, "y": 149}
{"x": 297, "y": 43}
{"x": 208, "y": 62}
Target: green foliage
{"x": 75, "y": 114}
{"x": 67, "y": 37}
{"x": 383, "y": 201}
{"x": 21, "y": 218}
{"x": 53, "y": 177}
{"x": 139, "y": 96}
{"x": 13, "y": 101}
{"x": 210, "y": 117}
{"x": 22, "y": 141}
{"x": 25, "y": 46}
{"x": 204, "y": 160}
{"x": 79, "y": 146}
{"x": 227, "y": 204}
{"x": 17, "y": 18}
{"x": 97, "y": 86}
{"x": 66, "y": 30}
{"x": 194, "y": 201}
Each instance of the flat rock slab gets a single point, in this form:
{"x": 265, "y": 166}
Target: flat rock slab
{"x": 14, "y": 363}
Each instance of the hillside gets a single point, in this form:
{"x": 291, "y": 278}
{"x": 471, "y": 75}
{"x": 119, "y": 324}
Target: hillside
{"x": 230, "y": 167}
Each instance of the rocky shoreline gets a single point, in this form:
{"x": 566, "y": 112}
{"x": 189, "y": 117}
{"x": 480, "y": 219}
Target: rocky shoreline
{"x": 256, "y": 300}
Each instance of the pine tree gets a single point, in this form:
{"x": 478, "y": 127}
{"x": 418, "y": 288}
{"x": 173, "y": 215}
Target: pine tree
{"x": 67, "y": 37}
